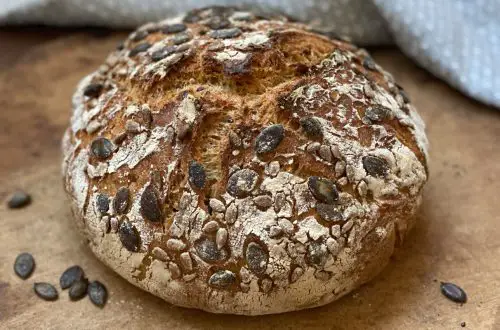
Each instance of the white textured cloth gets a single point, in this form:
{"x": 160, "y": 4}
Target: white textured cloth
{"x": 456, "y": 40}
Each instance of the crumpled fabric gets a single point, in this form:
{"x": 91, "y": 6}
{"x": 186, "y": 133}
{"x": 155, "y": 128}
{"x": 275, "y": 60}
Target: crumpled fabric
{"x": 456, "y": 40}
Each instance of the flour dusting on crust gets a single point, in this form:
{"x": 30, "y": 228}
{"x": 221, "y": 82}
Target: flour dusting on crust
{"x": 238, "y": 164}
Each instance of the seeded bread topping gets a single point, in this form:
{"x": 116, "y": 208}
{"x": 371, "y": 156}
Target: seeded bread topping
{"x": 235, "y": 163}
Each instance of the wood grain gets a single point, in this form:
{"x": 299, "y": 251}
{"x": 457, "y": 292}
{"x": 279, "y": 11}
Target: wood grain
{"x": 456, "y": 239}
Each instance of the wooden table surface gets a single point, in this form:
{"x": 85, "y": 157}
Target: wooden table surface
{"x": 457, "y": 237}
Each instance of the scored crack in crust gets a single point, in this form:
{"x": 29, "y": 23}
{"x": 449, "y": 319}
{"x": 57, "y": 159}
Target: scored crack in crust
{"x": 230, "y": 162}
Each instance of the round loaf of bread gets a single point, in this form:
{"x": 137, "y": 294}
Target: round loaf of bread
{"x": 241, "y": 163}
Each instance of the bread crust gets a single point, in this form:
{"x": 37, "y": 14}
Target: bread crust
{"x": 238, "y": 164}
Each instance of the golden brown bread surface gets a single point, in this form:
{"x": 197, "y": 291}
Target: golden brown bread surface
{"x": 237, "y": 164}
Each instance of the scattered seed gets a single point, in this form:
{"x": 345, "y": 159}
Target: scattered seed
{"x": 132, "y": 127}
{"x": 312, "y": 148}
{"x": 234, "y": 139}
{"x": 329, "y": 212}
{"x": 335, "y": 231}
{"x": 325, "y": 153}
{"x": 323, "y": 189}
{"x": 174, "y": 28}
{"x": 296, "y": 274}
{"x": 97, "y": 293}
{"x": 231, "y": 214}
{"x": 336, "y": 152}
{"x": 347, "y": 226}
{"x": 340, "y": 168}
{"x": 311, "y": 126}
{"x": 210, "y": 226}
{"x": 181, "y": 38}
{"x": 207, "y": 250}
{"x": 24, "y": 265}
{"x": 160, "y": 254}
{"x": 217, "y": 205}
{"x": 140, "y": 48}
{"x": 362, "y": 188}
{"x": 163, "y": 53}
{"x": 147, "y": 117}
{"x": 18, "y": 200}
{"x": 197, "y": 174}
{"x": 275, "y": 231}
{"x": 101, "y": 148}
{"x": 317, "y": 254}
{"x": 174, "y": 269}
{"x": 71, "y": 275}
{"x": 273, "y": 168}
{"x": 279, "y": 201}
{"x": 377, "y": 113}
{"x": 375, "y": 166}
{"x": 263, "y": 202}
{"x": 242, "y": 182}
{"x": 218, "y": 22}
{"x": 463, "y": 324}
{"x": 122, "y": 200}
{"x": 114, "y": 224}
{"x": 102, "y": 202}
{"x": 93, "y": 90}
{"x": 139, "y": 35}
{"x": 269, "y": 138}
{"x": 333, "y": 246}
{"x": 242, "y": 16}
{"x": 46, "y": 291}
{"x": 369, "y": 63}
{"x": 78, "y": 290}
{"x": 221, "y": 238}
{"x": 129, "y": 236}
{"x": 237, "y": 67}
{"x": 257, "y": 258}
{"x": 186, "y": 261}
{"x": 222, "y": 279}
{"x": 150, "y": 205}
{"x": 176, "y": 245}
{"x": 225, "y": 33}
{"x": 453, "y": 292}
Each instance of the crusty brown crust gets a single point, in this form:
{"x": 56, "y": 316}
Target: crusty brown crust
{"x": 236, "y": 164}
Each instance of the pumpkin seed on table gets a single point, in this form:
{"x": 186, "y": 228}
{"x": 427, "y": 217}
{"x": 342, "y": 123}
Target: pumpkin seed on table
{"x": 453, "y": 292}
{"x": 24, "y": 265}
{"x": 46, "y": 291}
{"x": 97, "y": 293}
{"x": 18, "y": 199}
{"x": 71, "y": 275}
{"x": 78, "y": 290}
